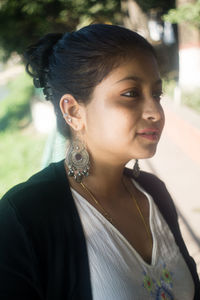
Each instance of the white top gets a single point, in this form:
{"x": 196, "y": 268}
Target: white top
{"x": 118, "y": 272}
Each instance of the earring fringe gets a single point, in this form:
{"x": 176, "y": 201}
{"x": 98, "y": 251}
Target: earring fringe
{"x": 136, "y": 169}
{"x": 77, "y": 161}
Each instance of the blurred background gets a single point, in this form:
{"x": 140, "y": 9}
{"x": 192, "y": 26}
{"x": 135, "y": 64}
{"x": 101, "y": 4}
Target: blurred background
{"x": 28, "y": 137}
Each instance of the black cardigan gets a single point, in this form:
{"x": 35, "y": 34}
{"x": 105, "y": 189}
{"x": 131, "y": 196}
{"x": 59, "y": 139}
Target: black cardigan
{"x": 43, "y": 252}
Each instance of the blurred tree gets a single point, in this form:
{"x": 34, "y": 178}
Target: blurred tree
{"x": 136, "y": 13}
{"x": 188, "y": 12}
{"x": 23, "y": 21}
{"x": 145, "y": 17}
{"x": 187, "y": 15}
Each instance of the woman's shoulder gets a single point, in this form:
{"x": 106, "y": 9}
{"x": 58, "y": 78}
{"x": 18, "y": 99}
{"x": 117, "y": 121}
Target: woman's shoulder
{"x": 145, "y": 178}
{"x": 39, "y": 181}
{"x": 157, "y": 189}
{"x": 41, "y": 193}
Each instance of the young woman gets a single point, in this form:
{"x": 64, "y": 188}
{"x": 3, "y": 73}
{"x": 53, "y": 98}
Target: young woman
{"x": 87, "y": 227}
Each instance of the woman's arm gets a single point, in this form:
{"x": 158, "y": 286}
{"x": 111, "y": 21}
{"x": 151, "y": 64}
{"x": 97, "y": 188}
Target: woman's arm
{"x": 18, "y": 278}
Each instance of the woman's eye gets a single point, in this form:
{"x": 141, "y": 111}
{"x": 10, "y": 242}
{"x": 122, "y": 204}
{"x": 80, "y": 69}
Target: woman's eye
{"x": 132, "y": 94}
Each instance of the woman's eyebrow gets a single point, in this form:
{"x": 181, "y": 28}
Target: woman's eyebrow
{"x": 134, "y": 78}
{"x": 138, "y": 79}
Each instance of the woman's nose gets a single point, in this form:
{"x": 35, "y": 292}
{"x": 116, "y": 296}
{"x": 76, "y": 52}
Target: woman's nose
{"x": 153, "y": 110}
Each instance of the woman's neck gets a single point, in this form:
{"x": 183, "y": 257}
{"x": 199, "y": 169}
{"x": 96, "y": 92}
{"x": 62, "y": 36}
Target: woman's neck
{"x": 104, "y": 181}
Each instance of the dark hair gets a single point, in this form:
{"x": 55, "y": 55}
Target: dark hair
{"x": 76, "y": 62}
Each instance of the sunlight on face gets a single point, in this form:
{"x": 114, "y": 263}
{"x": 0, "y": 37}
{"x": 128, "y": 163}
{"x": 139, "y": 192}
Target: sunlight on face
{"x": 124, "y": 119}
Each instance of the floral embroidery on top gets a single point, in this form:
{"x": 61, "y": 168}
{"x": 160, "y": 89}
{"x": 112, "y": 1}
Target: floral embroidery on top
{"x": 160, "y": 289}
{"x": 148, "y": 283}
{"x": 167, "y": 276}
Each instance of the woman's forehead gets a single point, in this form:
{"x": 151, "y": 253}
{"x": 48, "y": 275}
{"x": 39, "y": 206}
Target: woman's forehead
{"x": 138, "y": 68}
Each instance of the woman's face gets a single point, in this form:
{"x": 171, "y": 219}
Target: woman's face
{"x": 124, "y": 119}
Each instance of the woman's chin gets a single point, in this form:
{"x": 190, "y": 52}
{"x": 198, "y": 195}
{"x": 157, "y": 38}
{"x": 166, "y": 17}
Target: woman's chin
{"x": 147, "y": 154}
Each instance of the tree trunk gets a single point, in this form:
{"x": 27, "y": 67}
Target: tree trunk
{"x": 134, "y": 18}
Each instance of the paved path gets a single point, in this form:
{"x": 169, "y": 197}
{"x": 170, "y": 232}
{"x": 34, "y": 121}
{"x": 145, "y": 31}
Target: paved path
{"x": 177, "y": 163}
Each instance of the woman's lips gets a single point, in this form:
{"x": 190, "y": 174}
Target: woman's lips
{"x": 151, "y": 134}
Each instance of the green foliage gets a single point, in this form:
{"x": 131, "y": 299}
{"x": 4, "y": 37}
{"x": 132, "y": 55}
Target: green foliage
{"x": 21, "y": 147}
{"x": 22, "y": 22}
{"x": 21, "y": 154}
{"x": 189, "y": 13}
{"x": 15, "y": 108}
{"x": 188, "y": 98}
{"x": 192, "y": 99}
{"x": 168, "y": 87}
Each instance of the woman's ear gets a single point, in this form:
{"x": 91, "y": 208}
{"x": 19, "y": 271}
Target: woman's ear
{"x": 72, "y": 112}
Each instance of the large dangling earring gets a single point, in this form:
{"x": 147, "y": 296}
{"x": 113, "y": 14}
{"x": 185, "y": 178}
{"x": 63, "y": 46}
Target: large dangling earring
{"x": 136, "y": 169}
{"x": 77, "y": 161}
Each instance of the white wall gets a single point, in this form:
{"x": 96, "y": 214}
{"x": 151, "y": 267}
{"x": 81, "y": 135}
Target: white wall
{"x": 189, "y": 74}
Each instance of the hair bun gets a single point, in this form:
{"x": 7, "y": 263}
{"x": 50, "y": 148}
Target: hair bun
{"x": 37, "y": 58}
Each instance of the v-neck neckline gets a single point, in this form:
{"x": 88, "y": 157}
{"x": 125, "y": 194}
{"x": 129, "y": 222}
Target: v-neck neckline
{"x": 122, "y": 237}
